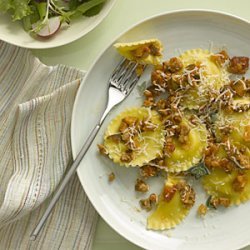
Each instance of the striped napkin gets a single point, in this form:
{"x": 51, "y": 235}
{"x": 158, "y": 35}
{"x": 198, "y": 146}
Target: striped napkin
{"x": 35, "y": 112}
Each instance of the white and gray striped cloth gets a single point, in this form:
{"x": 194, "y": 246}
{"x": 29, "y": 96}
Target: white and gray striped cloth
{"x": 35, "y": 112}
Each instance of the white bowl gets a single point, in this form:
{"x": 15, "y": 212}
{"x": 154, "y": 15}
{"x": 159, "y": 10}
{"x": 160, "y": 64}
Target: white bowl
{"x": 116, "y": 202}
{"x": 13, "y": 32}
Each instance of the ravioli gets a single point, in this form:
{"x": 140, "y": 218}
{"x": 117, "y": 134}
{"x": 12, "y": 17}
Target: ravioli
{"x": 150, "y": 143}
{"x": 220, "y": 184}
{"x": 211, "y": 77}
{"x": 234, "y": 126}
{"x": 143, "y": 52}
{"x": 211, "y": 73}
{"x": 187, "y": 155}
{"x": 168, "y": 214}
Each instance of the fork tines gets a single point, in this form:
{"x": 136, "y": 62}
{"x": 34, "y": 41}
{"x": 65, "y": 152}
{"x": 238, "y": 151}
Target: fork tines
{"x": 125, "y": 76}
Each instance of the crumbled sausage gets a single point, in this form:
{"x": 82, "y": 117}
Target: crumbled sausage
{"x": 220, "y": 58}
{"x": 240, "y": 182}
{"x": 148, "y": 203}
{"x": 211, "y": 149}
{"x": 215, "y": 202}
{"x": 145, "y": 50}
{"x": 111, "y": 177}
{"x": 134, "y": 143}
{"x": 130, "y": 120}
{"x": 147, "y": 93}
{"x": 123, "y": 126}
{"x": 173, "y": 65}
{"x": 226, "y": 165}
{"x": 238, "y": 156}
{"x": 115, "y": 138}
{"x": 225, "y": 202}
{"x": 141, "y": 186}
{"x": 125, "y": 136}
{"x": 153, "y": 198}
{"x": 190, "y": 67}
{"x": 155, "y": 51}
{"x": 243, "y": 160}
{"x": 141, "y": 52}
{"x": 238, "y": 65}
{"x": 169, "y": 192}
{"x": 239, "y": 87}
{"x": 202, "y": 210}
{"x": 247, "y": 82}
{"x": 169, "y": 145}
{"x": 183, "y": 135}
{"x": 149, "y": 102}
{"x": 177, "y": 118}
{"x": 147, "y": 125}
{"x": 161, "y": 104}
{"x": 159, "y": 78}
{"x": 184, "y": 129}
{"x": 222, "y": 163}
{"x": 164, "y": 112}
{"x": 127, "y": 156}
{"x": 187, "y": 195}
{"x": 213, "y": 161}
{"x": 160, "y": 162}
{"x": 102, "y": 149}
{"x": 148, "y": 171}
{"x": 145, "y": 204}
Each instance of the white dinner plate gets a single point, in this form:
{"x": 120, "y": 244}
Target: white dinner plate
{"x": 13, "y": 32}
{"x": 117, "y": 202}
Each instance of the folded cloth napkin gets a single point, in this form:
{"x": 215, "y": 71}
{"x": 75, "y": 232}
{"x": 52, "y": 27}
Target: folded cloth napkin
{"x": 36, "y": 104}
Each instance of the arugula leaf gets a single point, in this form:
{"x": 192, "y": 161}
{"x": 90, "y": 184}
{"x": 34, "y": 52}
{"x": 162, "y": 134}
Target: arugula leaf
{"x": 20, "y": 9}
{"x": 83, "y": 8}
{"x": 63, "y": 4}
{"x": 32, "y": 18}
{"x": 73, "y": 4}
{"x": 41, "y": 8}
{"x": 5, "y": 5}
{"x": 94, "y": 11}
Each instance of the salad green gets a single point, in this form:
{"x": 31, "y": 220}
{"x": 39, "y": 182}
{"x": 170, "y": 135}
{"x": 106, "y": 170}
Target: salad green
{"x": 44, "y": 17}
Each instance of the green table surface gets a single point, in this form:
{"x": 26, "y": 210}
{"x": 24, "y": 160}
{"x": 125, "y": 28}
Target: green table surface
{"x": 83, "y": 52}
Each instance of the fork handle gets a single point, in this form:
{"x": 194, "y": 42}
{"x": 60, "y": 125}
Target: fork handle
{"x": 65, "y": 181}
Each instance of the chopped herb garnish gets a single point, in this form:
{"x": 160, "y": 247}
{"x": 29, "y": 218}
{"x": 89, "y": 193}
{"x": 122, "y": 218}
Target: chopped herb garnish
{"x": 199, "y": 170}
{"x": 209, "y": 203}
{"x": 141, "y": 88}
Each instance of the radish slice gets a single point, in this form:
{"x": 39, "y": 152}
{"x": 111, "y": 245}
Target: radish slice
{"x": 50, "y": 28}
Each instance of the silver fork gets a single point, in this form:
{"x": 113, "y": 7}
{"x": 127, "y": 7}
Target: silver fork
{"x": 121, "y": 83}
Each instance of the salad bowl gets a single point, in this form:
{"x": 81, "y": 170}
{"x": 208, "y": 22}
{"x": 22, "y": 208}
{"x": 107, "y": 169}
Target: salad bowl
{"x": 13, "y": 32}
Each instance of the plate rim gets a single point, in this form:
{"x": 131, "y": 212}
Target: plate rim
{"x": 110, "y": 5}
{"x": 110, "y": 222}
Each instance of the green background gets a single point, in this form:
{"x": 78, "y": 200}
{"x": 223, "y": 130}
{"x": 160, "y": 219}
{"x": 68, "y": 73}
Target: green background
{"x": 83, "y": 52}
